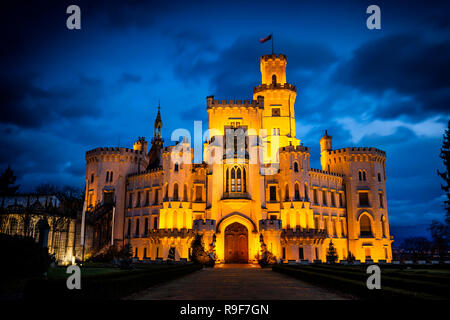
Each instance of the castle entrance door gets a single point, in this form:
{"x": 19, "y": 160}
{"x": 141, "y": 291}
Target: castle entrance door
{"x": 236, "y": 243}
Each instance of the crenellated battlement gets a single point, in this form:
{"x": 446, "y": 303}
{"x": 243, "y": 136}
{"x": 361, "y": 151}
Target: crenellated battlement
{"x": 299, "y": 148}
{"x": 323, "y": 172}
{"x": 113, "y": 152}
{"x": 274, "y": 86}
{"x": 204, "y": 225}
{"x": 360, "y": 153}
{"x": 212, "y": 103}
{"x": 270, "y": 224}
{"x": 274, "y": 56}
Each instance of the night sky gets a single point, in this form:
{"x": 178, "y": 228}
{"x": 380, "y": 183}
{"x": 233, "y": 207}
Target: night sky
{"x": 63, "y": 92}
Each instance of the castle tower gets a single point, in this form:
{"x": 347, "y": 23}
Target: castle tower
{"x": 325, "y": 145}
{"x": 279, "y": 99}
{"x": 364, "y": 172}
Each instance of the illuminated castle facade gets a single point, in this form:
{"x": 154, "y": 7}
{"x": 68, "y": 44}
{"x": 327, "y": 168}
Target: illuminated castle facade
{"x": 246, "y": 192}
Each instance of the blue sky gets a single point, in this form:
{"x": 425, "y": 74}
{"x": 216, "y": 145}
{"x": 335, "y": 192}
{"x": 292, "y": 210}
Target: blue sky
{"x": 64, "y": 92}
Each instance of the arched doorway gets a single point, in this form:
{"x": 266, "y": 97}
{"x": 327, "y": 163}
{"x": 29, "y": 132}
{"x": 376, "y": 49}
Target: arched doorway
{"x": 236, "y": 243}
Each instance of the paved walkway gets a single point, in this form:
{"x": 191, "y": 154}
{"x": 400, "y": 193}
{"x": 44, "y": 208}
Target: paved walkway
{"x": 236, "y": 282}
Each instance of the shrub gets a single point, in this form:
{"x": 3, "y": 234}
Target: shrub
{"x": 22, "y": 256}
{"x": 198, "y": 253}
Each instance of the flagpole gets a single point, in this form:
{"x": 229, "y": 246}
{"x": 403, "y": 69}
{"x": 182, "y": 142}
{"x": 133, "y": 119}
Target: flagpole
{"x": 272, "y": 43}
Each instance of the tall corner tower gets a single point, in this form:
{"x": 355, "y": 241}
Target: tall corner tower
{"x": 279, "y": 100}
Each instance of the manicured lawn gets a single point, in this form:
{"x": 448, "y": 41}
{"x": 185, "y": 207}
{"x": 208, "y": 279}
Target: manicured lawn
{"x": 104, "y": 282}
{"x": 413, "y": 282}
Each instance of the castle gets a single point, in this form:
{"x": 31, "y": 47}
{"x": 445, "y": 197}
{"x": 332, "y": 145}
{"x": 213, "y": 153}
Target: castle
{"x": 157, "y": 200}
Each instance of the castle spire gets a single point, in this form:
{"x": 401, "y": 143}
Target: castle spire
{"x": 158, "y": 124}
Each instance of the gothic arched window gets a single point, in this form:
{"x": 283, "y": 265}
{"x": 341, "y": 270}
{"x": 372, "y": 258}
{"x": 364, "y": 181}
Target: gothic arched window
{"x": 365, "y": 226}
{"x": 296, "y": 192}
{"x": 296, "y": 166}
{"x": 175, "y": 191}
{"x": 233, "y": 179}
{"x": 238, "y": 180}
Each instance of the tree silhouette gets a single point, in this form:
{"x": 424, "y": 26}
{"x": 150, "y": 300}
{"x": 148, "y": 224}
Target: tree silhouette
{"x": 445, "y": 156}
{"x": 331, "y": 253}
{"x": 7, "y": 180}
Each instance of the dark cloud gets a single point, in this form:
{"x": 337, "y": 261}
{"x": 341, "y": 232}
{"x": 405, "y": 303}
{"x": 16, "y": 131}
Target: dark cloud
{"x": 235, "y": 69}
{"x": 26, "y": 104}
{"x": 405, "y": 64}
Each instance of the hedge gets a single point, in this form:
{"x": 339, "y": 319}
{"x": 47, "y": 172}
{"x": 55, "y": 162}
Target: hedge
{"x": 107, "y": 286}
{"x": 352, "y": 283}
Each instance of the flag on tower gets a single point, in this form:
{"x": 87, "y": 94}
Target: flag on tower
{"x": 265, "y": 39}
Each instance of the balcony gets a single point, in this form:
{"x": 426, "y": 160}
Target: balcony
{"x": 236, "y": 195}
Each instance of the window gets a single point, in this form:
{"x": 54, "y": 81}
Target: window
{"x": 136, "y": 231}
{"x": 284, "y": 253}
{"x": 111, "y": 176}
{"x": 233, "y": 180}
{"x": 136, "y": 252}
{"x": 316, "y": 200}
{"x": 300, "y": 253}
{"x": 129, "y": 228}
{"x": 276, "y": 112}
{"x": 340, "y": 200}
{"x": 175, "y": 191}
{"x": 198, "y": 193}
{"x": 342, "y": 228}
{"x": 286, "y": 194}
{"x": 107, "y": 176}
{"x": 156, "y": 196}
{"x": 296, "y": 192}
{"x": 185, "y": 193}
{"x": 324, "y": 198}
{"x": 363, "y": 199}
{"x": 383, "y": 226}
{"x": 145, "y": 253}
{"x": 274, "y": 79}
{"x": 130, "y": 200}
{"x": 146, "y": 226}
{"x": 238, "y": 180}
{"x": 295, "y": 166}
{"x": 364, "y": 175}
{"x": 273, "y": 217}
{"x": 365, "y": 226}
{"x": 379, "y": 177}
{"x": 380, "y": 195}
{"x": 333, "y": 224}
{"x": 147, "y": 197}
{"x": 275, "y": 131}
{"x": 360, "y": 175}
{"x": 306, "y": 193}
{"x": 316, "y": 223}
{"x": 155, "y": 223}
{"x": 325, "y": 224}
{"x": 92, "y": 178}
{"x": 138, "y": 202}
{"x": 317, "y": 252}
{"x": 333, "y": 199}
{"x": 176, "y": 167}
{"x": 273, "y": 193}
